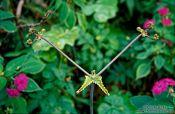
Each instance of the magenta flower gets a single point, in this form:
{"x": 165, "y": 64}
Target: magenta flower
{"x": 168, "y": 81}
{"x": 166, "y": 21}
{"x": 148, "y": 23}
{"x": 12, "y": 92}
{"x": 163, "y": 11}
{"x": 162, "y": 85}
{"x": 21, "y": 82}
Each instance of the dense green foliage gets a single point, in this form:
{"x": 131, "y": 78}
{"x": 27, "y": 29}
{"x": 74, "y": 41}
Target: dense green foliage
{"x": 91, "y": 33}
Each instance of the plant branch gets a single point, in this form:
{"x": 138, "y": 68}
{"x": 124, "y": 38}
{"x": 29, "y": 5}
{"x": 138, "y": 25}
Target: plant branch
{"x": 42, "y": 21}
{"x": 19, "y": 8}
{"x": 119, "y": 54}
{"x": 59, "y": 50}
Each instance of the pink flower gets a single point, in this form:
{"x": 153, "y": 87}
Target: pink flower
{"x": 21, "y": 82}
{"x": 166, "y": 21}
{"x": 163, "y": 11}
{"x": 162, "y": 85}
{"x": 148, "y": 23}
{"x": 12, "y": 92}
{"x": 168, "y": 81}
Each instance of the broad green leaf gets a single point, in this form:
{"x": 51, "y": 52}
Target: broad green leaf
{"x": 26, "y": 64}
{"x": 105, "y": 9}
{"x": 16, "y": 53}
{"x": 143, "y": 55}
{"x": 70, "y": 88}
{"x": 80, "y": 3}
{"x": 67, "y": 104}
{"x": 63, "y": 12}
{"x": 49, "y": 56}
{"x": 104, "y": 108}
{"x": 170, "y": 37}
{"x": 139, "y": 101}
{"x": 8, "y": 26}
{"x": 130, "y": 5}
{"x": 59, "y": 37}
{"x": 159, "y": 61}
{"x": 113, "y": 98}
{"x": 5, "y": 15}
{"x": 143, "y": 70}
{"x": 71, "y": 19}
{"x": 3, "y": 82}
{"x": 19, "y": 105}
{"x": 82, "y": 21}
{"x": 32, "y": 86}
{"x": 156, "y": 106}
{"x": 168, "y": 67}
{"x": 88, "y": 9}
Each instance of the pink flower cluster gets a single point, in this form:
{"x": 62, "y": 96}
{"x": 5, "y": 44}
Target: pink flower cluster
{"x": 166, "y": 21}
{"x": 162, "y": 85}
{"x": 164, "y": 11}
{"x": 20, "y": 84}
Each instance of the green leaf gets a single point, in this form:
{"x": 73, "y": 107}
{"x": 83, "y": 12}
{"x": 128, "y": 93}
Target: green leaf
{"x": 159, "y": 61}
{"x": 130, "y": 5}
{"x": 105, "y": 9}
{"x": 5, "y": 15}
{"x": 139, "y": 101}
{"x": 143, "y": 70}
{"x": 63, "y": 12}
{"x": 1, "y": 68}
{"x": 80, "y": 3}
{"x": 143, "y": 55}
{"x": 170, "y": 37}
{"x": 1, "y": 59}
{"x": 19, "y": 105}
{"x": 26, "y": 64}
{"x": 8, "y": 26}
{"x": 67, "y": 104}
{"x": 82, "y": 21}
{"x": 166, "y": 103}
{"x": 104, "y": 108}
{"x": 71, "y": 19}
{"x": 70, "y": 88}
{"x": 113, "y": 98}
{"x": 88, "y": 9}
{"x": 168, "y": 67}
{"x": 3, "y": 82}
{"x": 32, "y": 86}
{"x": 59, "y": 37}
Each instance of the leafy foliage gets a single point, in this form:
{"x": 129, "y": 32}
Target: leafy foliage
{"x": 91, "y": 33}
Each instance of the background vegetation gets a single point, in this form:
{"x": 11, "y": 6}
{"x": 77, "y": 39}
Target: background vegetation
{"x": 91, "y": 32}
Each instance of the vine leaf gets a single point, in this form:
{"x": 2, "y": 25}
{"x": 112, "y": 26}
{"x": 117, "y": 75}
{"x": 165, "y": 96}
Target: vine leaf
{"x": 93, "y": 78}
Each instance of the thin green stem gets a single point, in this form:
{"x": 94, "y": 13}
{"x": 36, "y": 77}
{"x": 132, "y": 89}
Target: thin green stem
{"x": 119, "y": 54}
